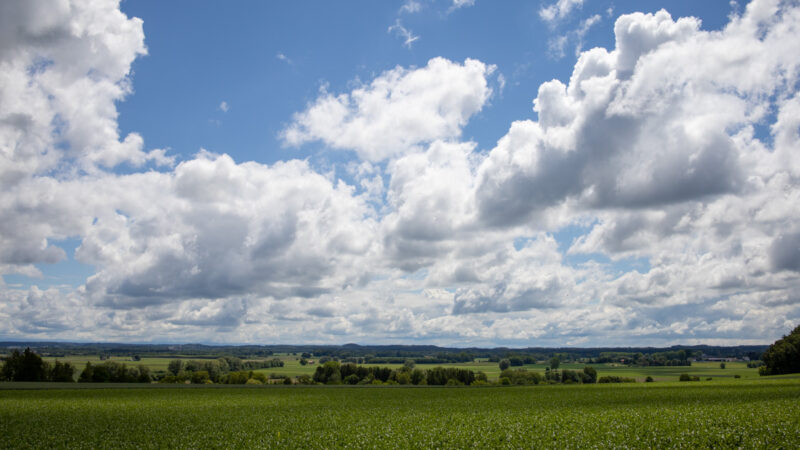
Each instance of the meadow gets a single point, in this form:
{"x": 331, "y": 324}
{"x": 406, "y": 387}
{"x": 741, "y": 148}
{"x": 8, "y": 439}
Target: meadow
{"x": 760, "y": 413}
{"x": 293, "y": 368}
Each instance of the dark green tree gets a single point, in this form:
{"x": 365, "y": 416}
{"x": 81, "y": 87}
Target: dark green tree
{"x": 25, "y": 366}
{"x": 555, "y": 362}
{"x": 783, "y": 356}
{"x": 589, "y": 375}
{"x": 62, "y": 372}
{"x": 504, "y": 364}
{"x": 175, "y": 366}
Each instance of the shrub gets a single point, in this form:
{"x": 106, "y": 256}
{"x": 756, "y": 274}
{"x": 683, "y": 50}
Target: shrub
{"x": 649, "y": 379}
{"x": 505, "y": 381}
{"x": 737, "y": 376}
{"x": 684, "y": 377}
{"x": 615, "y": 379}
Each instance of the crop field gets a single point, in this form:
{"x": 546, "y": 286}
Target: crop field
{"x": 762, "y": 413}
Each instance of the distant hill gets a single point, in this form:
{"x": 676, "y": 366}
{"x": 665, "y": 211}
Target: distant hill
{"x": 384, "y": 352}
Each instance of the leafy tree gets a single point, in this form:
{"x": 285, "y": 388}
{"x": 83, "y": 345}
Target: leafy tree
{"x": 590, "y": 375}
{"x": 303, "y": 361}
{"x": 403, "y": 377}
{"x": 200, "y": 377}
{"x": 504, "y": 364}
{"x": 25, "y": 366}
{"x": 722, "y": 365}
{"x": 330, "y": 372}
{"x": 418, "y": 377}
{"x": 175, "y": 366}
{"x": 86, "y": 374}
{"x": 555, "y": 362}
{"x": 783, "y": 356}
{"x": 62, "y": 372}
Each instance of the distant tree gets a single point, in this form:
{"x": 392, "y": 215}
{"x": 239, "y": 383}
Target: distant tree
{"x": 409, "y": 364}
{"x": 555, "y": 362}
{"x": 590, "y": 375}
{"x": 504, "y": 364}
{"x": 175, "y": 366}
{"x": 515, "y": 361}
{"x": 62, "y": 372}
{"x": 649, "y": 379}
{"x": 330, "y": 372}
{"x": 25, "y": 366}
{"x": 200, "y": 377}
{"x": 783, "y": 356}
{"x": 306, "y": 355}
{"x": 418, "y": 377}
{"x": 403, "y": 377}
{"x": 86, "y": 374}
{"x": 722, "y": 365}
{"x": 303, "y": 361}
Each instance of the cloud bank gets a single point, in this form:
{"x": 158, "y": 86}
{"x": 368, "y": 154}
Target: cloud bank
{"x": 675, "y": 182}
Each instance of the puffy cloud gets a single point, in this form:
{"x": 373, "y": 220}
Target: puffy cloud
{"x": 397, "y": 111}
{"x": 62, "y": 67}
{"x": 214, "y": 229}
{"x": 558, "y": 10}
{"x": 685, "y": 213}
{"x": 644, "y": 125}
{"x": 518, "y": 280}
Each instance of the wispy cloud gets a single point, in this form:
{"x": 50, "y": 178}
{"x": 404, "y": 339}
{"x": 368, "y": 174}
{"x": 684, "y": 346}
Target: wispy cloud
{"x": 283, "y": 58}
{"x": 411, "y": 6}
{"x": 399, "y": 30}
{"x": 557, "y": 44}
{"x": 558, "y": 10}
{"x": 461, "y": 4}
{"x": 223, "y": 106}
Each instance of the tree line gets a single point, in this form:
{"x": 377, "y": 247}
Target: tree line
{"x": 28, "y": 366}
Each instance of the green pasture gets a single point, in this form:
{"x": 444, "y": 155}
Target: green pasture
{"x": 703, "y": 370}
{"x": 292, "y": 367}
{"x": 743, "y": 413}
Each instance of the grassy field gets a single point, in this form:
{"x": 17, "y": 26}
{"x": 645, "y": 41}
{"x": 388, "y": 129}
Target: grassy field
{"x": 761, "y": 413}
{"x": 292, "y": 367}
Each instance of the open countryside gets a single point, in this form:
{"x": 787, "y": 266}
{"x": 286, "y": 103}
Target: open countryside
{"x": 400, "y": 224}
{"x": 309, "y": 401}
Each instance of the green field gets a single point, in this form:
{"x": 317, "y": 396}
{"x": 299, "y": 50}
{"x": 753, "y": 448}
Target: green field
{"x": 762, "y": 413}
{"x": 293, "y": 368}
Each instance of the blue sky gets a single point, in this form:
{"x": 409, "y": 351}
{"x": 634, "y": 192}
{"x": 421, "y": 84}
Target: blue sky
{"x": 566, "y": 172}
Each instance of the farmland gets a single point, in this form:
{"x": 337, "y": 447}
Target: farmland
{"x": 734, "y": 413}
{"x": 293, "y": 368}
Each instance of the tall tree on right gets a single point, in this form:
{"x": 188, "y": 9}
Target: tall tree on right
{"x": 783, "y": 356}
